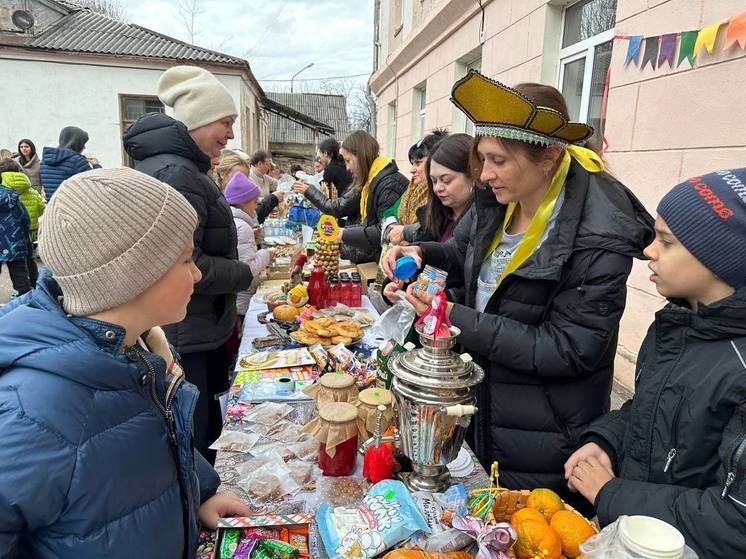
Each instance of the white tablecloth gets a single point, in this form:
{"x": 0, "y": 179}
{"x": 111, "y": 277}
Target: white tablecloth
{"x": 252, "y": 329}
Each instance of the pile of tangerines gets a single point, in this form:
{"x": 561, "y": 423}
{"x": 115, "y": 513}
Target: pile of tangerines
{"x": 546, "y": 530}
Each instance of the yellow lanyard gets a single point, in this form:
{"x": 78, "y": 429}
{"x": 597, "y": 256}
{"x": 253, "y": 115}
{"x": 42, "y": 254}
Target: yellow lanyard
{"x": 379, "y": 164}
{"x": 590, "y": 161}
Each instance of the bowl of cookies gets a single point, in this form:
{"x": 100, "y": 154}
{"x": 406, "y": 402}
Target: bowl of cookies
{"x": 328, "y": 332}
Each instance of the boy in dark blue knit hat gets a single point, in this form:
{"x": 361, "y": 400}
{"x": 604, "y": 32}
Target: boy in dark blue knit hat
{"x": 677, "y": 451}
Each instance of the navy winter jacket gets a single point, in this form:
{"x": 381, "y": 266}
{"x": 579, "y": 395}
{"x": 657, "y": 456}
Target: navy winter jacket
{"x": 92, "y": 462}
{"x": 14, "y": 226}
{"x": 59, "y": 164}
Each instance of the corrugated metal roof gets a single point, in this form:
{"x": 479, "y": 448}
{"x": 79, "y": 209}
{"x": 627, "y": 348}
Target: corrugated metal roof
{"x": 329, "y": 109}
{"x": 86, "y": 31}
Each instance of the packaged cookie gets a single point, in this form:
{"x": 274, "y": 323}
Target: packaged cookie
{"x": 267, "y": 413}
{"x": 269, "y": 483}
{"x": 304, "y": 473}
{"x": 235, "y": 441}
{"x": 307, "y": 451}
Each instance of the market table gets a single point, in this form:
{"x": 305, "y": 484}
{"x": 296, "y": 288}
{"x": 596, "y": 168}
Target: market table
{"x": 228, "y": 463}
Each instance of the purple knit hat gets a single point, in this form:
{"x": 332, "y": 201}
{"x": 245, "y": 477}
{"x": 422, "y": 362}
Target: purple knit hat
{"x": 241, "y": 190}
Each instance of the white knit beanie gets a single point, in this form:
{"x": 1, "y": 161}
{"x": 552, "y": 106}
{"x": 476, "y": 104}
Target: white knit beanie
{"x": 196, "y": 96}
{"x": 109, "y": 234}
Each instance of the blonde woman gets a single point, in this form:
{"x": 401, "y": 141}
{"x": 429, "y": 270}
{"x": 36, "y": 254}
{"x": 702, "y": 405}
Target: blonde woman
{"x": 235, "y": 161}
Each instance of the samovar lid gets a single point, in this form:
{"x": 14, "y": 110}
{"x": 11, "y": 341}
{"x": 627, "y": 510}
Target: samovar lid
{"x": 436, "y": 365}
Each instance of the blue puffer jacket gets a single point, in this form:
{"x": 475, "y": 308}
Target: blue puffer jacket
{"x": 14, "y": 226}
{"x": 59, "y": 164}
{"x": 90, "y": 465}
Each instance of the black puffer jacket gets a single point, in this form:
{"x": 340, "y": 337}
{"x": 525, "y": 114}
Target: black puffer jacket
{"x": 548, "y": 336}
{"x": 362, "y": 243}
{"x": 675, "y": 443}
{"x": 344, "y": 206}
{"x": 164, "y": 149}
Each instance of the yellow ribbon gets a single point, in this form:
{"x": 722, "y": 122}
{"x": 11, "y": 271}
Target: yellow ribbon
{"x": 379, "y": 163}
{"x": 590, "y": 161}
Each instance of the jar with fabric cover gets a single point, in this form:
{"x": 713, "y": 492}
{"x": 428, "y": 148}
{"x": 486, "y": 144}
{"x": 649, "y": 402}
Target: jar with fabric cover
{"x": 367, "y": 405}
{"x": 332, "y": 387}
{"x": 338, "y": 429}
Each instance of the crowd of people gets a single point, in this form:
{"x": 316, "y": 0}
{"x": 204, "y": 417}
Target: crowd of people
{"x": 148, "y": 274}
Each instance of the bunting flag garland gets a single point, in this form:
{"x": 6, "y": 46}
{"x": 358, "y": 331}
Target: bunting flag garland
{"x": 667, "y": 49}
{"x": 686, "y": 50}
{"x": 651, "y": 52}
{"x": 633, "y": 50}
{"x": 706, "y": 38}
{"x": 736, "y": 32}
{"x": 660, "y": 49}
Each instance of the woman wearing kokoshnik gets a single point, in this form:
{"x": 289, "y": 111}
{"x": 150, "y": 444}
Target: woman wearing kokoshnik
{"x": 537, "y": 275}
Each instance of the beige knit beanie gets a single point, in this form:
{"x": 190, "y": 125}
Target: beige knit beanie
{"x": 198, "y": 98}
{"x": 109, "y": 234}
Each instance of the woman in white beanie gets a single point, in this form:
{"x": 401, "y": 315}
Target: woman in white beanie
{"x": 96, "y": 459}
{"x": 178, "y": 152}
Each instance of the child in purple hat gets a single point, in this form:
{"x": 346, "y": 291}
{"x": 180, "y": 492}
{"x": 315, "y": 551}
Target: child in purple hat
{"x": 242, "y": 194}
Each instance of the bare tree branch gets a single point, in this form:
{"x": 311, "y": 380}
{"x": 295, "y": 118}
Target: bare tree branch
{"x": 189, "y": 12}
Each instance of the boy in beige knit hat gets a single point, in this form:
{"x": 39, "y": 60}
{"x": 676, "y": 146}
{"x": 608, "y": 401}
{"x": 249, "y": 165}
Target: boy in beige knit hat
{"x": 95, "y": 412}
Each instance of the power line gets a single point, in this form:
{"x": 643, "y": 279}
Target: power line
{"x": 319, "y": 79}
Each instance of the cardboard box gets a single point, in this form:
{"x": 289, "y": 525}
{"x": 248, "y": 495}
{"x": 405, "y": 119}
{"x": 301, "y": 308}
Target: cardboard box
{"x": 260, "y": 521}
{"x": 367, "y": 272}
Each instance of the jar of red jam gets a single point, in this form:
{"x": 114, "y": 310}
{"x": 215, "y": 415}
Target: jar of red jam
{"x": 316, "y": 286}
{"x": 338, "y": 439}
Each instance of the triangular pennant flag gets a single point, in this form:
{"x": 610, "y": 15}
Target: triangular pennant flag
{"x": 667, "y": 49}
{"x": 686, "y": 48}
{"x": 707, "y": 38}
{"x": 633, "y": 50}
{"x": 736, "y": 31}
{"x": 651, "y": 52}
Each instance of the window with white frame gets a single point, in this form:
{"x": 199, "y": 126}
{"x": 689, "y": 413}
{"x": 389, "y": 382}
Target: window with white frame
{"x": 391, "y": 130}
{"x": 419, "y": 101}
{"x": 472, "y": 61}
{"x": 584, "y": 59}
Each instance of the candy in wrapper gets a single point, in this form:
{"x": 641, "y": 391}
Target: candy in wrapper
{"x": 246, "y": 545}
{"x": 434, "y": 321}
{"x": 296, "y": 536}
{"x": 274, "y": 549}
{"x": 493, "y": 540}
{"x": 229, "y": 543}
{"x": 263, "y": 532}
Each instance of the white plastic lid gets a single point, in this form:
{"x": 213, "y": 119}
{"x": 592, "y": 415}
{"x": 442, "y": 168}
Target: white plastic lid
{"x": 651, "y": 537}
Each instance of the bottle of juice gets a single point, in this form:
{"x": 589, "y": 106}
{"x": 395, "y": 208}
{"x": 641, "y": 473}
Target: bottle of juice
{"x": 316, "y": 286}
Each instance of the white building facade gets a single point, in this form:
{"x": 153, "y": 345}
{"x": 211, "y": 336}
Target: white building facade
{"x": 52, "y": 78}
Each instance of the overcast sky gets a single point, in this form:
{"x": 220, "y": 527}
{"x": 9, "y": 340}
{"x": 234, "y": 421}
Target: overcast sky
{"x": 277, "y": 37}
